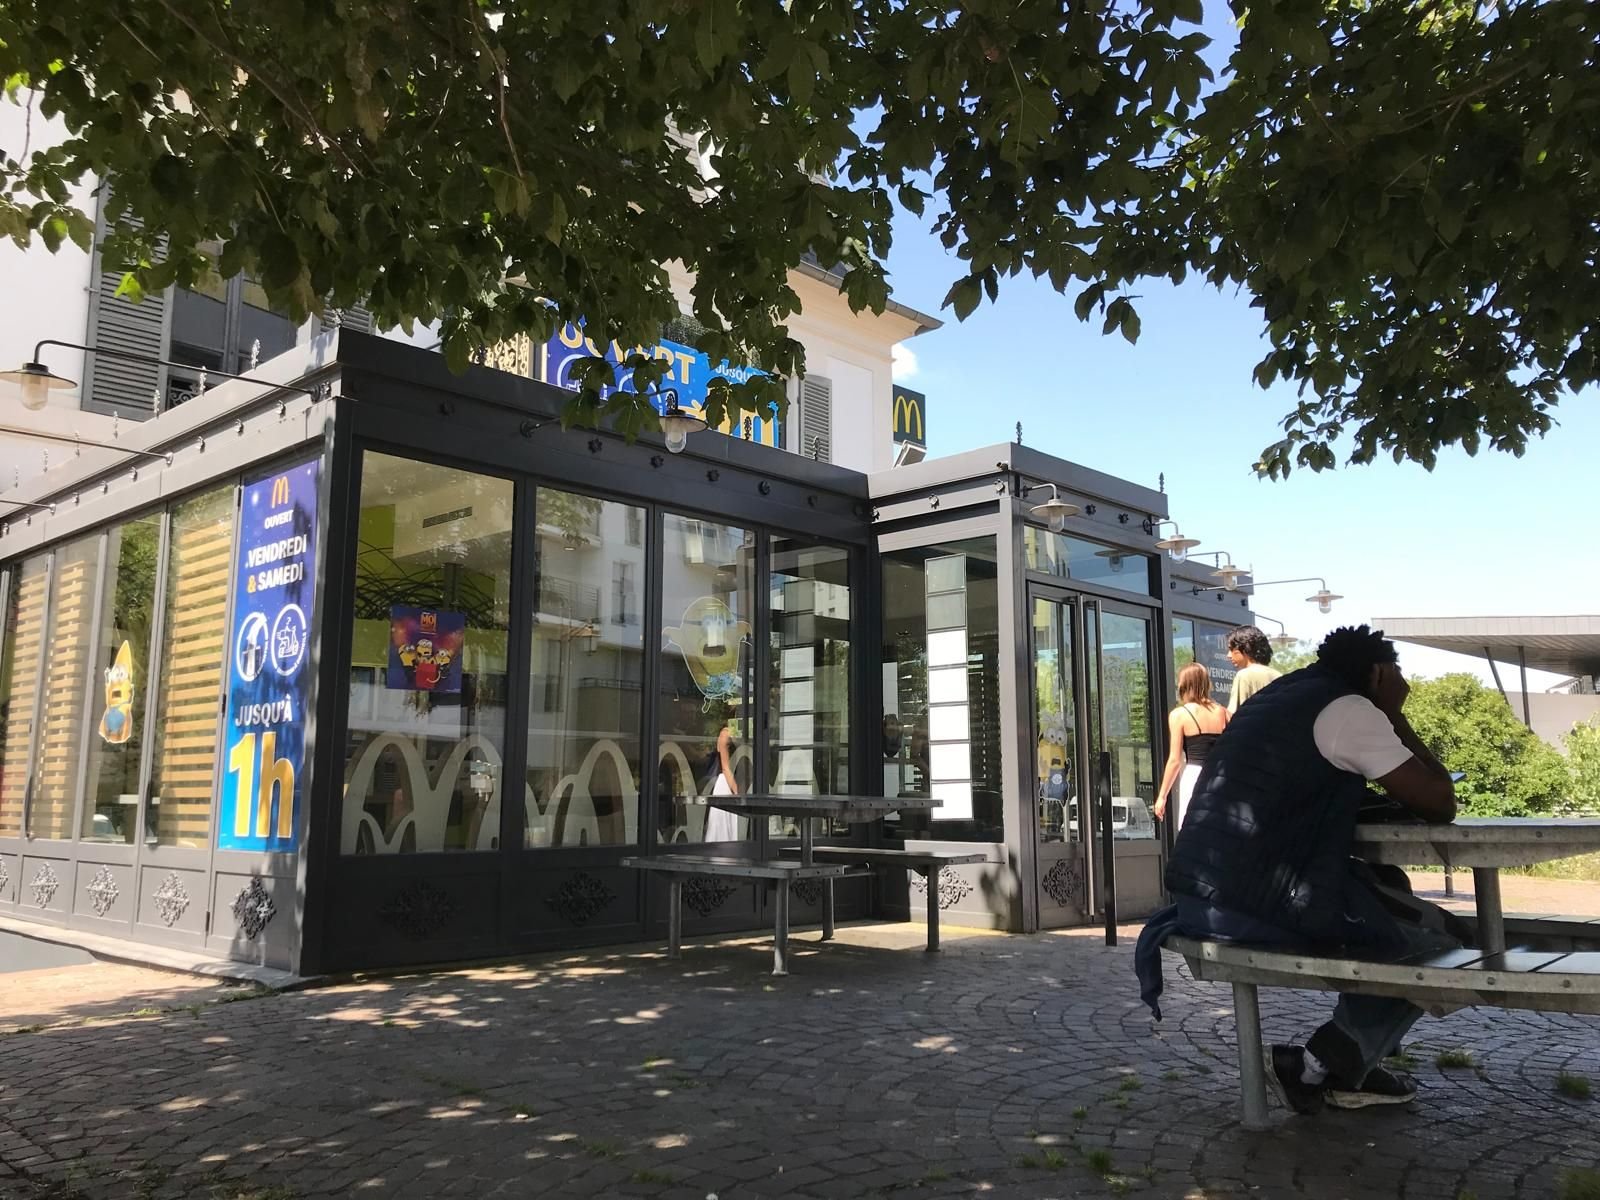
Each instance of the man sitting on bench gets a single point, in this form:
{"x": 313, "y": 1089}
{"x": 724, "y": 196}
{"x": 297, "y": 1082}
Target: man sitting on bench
{"x": 1265, "y": 855}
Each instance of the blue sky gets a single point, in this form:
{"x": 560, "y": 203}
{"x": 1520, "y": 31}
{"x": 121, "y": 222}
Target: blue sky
{"x": 1491, "y": 535}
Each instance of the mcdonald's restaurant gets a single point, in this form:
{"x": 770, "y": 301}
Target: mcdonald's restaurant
{"x": 362, "y": 663}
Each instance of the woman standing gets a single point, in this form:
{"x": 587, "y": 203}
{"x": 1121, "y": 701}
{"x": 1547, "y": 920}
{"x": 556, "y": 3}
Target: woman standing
{"x": 1192, "y": 727}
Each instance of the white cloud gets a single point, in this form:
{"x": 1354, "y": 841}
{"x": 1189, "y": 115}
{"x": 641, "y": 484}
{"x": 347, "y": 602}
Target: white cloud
{"x": 905, "y": 363}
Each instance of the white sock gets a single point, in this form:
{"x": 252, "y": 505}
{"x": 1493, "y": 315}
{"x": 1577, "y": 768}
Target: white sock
{"x": 1311, "y": 1069}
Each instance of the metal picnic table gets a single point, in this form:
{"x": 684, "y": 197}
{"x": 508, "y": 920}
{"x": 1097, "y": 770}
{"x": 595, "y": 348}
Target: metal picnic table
{"x": 807, "y": 808}
{"x": 1485, "y": 844}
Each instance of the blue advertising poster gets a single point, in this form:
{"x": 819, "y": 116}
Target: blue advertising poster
{"x": 274, "y": 571}
{"x": 688, "y": 373}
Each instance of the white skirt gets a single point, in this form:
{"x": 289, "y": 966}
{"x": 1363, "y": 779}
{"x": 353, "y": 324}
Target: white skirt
{"x": 721, "y": 825}
{"x": 1186, "y": 782}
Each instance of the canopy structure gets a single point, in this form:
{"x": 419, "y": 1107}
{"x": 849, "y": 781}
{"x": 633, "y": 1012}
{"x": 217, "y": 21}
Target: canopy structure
{"x": 1566, "y": 645}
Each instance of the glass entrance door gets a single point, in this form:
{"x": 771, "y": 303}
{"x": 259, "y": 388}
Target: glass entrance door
{"x": 1095, "y": 759}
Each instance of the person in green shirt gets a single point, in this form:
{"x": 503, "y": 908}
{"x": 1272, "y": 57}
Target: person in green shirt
{"x": 1250, "y": 652}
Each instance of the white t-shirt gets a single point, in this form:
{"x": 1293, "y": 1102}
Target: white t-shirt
{"x": 1354, "y": 736}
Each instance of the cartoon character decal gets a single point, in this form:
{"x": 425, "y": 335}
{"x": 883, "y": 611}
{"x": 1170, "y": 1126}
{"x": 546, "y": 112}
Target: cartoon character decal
{"x": 711, "y": 640}
{"x": 425, "y": 648}
{"x": 116, "y": 725}
{"x": 426, "y": 663}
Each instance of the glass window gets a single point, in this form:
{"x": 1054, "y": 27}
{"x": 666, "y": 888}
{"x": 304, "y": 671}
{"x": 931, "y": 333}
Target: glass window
{"x": 1067, "y": 557}
{"x": 809, "y": 713}
{"x": 707, "y": 663}
{"x": 585, "y": 697}
{"x": 68, "y": 648}
{"x": 260, "y": 322}
{"x": 19, "y": 684}
{"x": 1182, "y": 652}
{"x": 117, "y": 690}
{"x": 1121, "y": 690}
{"x": 941, "y": 688}
{"x": 428, "y": 681}
{"x": 193, "y": 653}
{"x": 1211, "y": 652}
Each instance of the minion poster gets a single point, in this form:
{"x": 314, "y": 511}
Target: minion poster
{"x": 425, "y": 649}
{"x": 264, "y": 740}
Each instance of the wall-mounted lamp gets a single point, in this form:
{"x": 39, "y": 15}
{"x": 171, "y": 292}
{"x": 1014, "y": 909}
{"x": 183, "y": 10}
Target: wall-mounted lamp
{"x": 1175, "y": 544}
{"x": 677, "y": 425}
{"x": 1282, "y": 639}
{"x": 37, "y": 381}
{"x": 1114, "y": 558}
{"x": 1322, "y": 597}
{"x": 1054, "y": 511}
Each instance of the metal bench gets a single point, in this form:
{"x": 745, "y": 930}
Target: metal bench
{"x": 1438, "y": 982}
{"x": 678, "y": 867}
{"x": 926, "y": 862}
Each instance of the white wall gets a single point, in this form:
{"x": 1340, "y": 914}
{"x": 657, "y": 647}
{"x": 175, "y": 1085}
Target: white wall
{"x": 42, "y": 295}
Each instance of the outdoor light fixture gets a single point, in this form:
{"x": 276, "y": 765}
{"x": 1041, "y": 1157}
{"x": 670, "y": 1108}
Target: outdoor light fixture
{"x": 36, "y": 381}
{"x": 1054, "y": 511}
{"x": 1322, "y": 598}
{"x": 677, "y": 425}
{"x": 1114, "y": 558}
{"x": 1177, "y": 546}
{"x": 1280, "y": 640}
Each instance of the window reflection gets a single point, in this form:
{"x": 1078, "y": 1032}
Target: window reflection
{"x": 941, "y": 686}
{"x": 584, "y": 692}
{"x": 118, "y": 684}
{"x": 707, "y": 662}
{"x": 1067, "y": 557}
{"x": 809, "y": 713}
{"x": 428, "y": 659}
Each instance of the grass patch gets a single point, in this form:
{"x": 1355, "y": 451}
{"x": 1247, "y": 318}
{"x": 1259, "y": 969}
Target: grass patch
{"x": 1404, "y": 1061}
{"x": 649, "y": 1175}
{"x": 240, "y": 1191}
{"x": 1172, "y": 1075}
{"x": 1120, "y": 1104}
{"x": 1098, "y": 1161}
{"x": 1578, "y": 1183}
{"x": 1079, "y": 1113}
{"x": 937, "y": 1175}
{"x": 20, "y": 1029}
{"x": 1049, "y": 1160}
{"x": 1574, "y": 1087}
{"x": 1446, "y": 1059}
{"x": 600, "y": 1149}
{"x": 1130, "y": 1083}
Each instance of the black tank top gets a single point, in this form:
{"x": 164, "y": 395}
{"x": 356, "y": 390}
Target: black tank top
{"x": 1197, "y": 745}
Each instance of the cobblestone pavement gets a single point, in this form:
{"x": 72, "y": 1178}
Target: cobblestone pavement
{"x": 1005, "y": 1066}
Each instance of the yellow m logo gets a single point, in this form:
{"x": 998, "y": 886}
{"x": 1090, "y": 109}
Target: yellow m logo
{"x": 280, "y": 491}
{"x": 908, "y": 425}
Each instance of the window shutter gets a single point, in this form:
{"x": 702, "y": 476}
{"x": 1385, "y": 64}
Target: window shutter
{"x": 112, "y": 385}
{"x": 355, "y": 317}
{"x": 816, "y": 418}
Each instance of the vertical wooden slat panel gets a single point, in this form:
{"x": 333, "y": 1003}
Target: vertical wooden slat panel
{"x": 19, "y": 686}
{"x": 194, "y": 657}
{"x": 61, "y": 717}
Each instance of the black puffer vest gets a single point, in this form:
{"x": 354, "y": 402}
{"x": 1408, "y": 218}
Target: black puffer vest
{"x": 1271, "y": 824}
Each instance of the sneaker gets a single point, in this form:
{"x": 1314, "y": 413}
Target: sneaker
{"x": 1288, "y": 1064}
{"x": 1381, "y": 1086}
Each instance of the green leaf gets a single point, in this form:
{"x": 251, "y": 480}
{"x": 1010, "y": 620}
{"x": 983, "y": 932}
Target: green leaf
{"x": 964, "y": 296}
{"x": 1129, "y": 325}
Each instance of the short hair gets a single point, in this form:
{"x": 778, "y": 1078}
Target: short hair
{"x": 1194, "y": 683}
{"x": 1350, "y": 652}
{"x": 1250, "y": 642}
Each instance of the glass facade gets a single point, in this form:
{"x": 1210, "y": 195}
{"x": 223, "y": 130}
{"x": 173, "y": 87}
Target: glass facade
{"x": 1065, "y": 557}
{"x": 60, "y": 741}
{"x": 941, "y": 689}
{"x": 117, "y": 684}
{"x": 584, "y": 694}
{"x": 707, "y": 679}
{"x": 428, "y": 659}
{"x": 1204, "y": 642}
{"x": 19, "y": 683}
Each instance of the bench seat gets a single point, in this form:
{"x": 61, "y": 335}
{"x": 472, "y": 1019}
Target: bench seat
{"x": 1438, "y": 982}
{"x": 928, "y": 862}
{"x": 681, "y": 867}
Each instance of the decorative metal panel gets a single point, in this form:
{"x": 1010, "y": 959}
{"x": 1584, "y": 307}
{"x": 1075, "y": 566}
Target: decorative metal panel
{"x": 253, "y": 908}
{"x": 418, "y": 910}
{"x": 103, "y": 891}
{"x": 953, "y": 889}
{"x": 580, "y": 899}
{"x": 44, "y": 885}
{"x": 171, "y": 899}
{"x": 705, "y": 893}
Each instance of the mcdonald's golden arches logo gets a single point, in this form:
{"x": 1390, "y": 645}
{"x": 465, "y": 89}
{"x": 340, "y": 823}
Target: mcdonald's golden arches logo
{"x": 910, "y": 422}
{"x": 280, "y": 491}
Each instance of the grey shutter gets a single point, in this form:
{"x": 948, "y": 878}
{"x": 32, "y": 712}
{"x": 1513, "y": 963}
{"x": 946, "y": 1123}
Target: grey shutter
{"x": 816, "y": 418}
{"x": 112, "y": 385}
{"x": 355, "y": 317}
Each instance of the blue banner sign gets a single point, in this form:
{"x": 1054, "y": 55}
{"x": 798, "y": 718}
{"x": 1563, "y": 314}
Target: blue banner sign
{"x": 689, "y": 373}
{"x": 274, "y": 572}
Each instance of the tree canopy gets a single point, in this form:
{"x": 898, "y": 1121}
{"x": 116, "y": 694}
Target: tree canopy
{"x": 1509, "y": 771}
{"x": 1407, "y": 190}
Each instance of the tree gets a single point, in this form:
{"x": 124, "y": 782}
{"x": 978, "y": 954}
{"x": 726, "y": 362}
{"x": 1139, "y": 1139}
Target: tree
{"x": 1406, "y": 189}
{"x": 1583, "y": 764}
{"x": 1301, "y": 654}
{"x": 1470, "y": 728}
